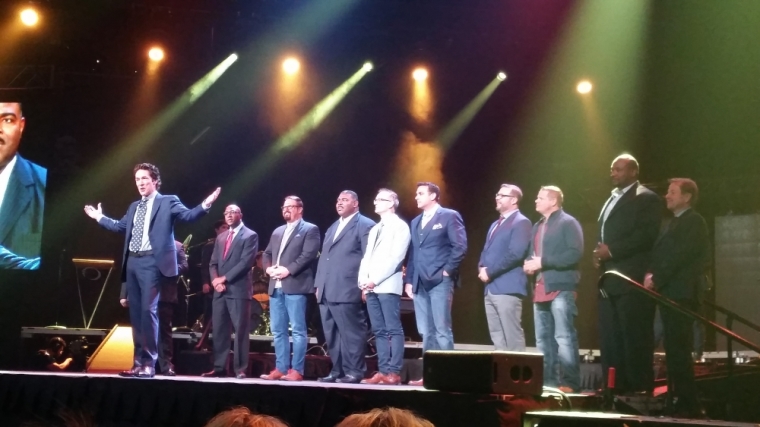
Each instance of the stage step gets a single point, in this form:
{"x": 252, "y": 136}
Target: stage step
{"x": 601, "y": 419}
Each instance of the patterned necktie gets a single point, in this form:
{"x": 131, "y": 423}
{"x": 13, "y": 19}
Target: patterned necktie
{"x": 135, "y": 244}
{"x": 228, "y": 243}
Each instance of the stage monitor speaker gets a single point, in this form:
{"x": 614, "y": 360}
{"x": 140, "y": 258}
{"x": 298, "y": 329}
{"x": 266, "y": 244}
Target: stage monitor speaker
{"x": 114, "y": 354}
{"x": 489, "y": 372}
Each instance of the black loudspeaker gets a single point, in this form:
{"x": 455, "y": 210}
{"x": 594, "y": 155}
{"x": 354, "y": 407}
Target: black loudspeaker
{"x": 489, "y": 372}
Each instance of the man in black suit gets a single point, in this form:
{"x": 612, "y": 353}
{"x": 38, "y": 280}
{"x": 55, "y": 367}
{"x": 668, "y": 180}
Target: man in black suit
{"x": 149, "y": 257}
{"x": 231, "y": 275}
{"x": 167, "y": 300}
{"x": 22, "y": 195}
{"x": 439, "y": 243}
{"x": 290, "y": 260}
{"x": 208, "y": 292}
{"x": 679, "y": 261}
{"x": 338, "y": 294}
{"x": 628, "y": 226}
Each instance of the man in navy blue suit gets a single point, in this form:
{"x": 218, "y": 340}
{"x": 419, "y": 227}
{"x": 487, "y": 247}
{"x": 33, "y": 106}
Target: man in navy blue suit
{"x": 22, "y": 195}
{"x": 149, "y": 258}
{"x": 339, "y": 297}
{"x": 439, "y": 243}
{"x": 500, "y": 268}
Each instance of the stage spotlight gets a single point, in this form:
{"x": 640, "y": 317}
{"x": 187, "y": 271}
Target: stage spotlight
{"x": 291, "y": 66}
{"x": 584, "y": 87}
{"x": 29, "y": 17}
{"x": 501, "y": 76}
{"x": 368, "y": 66}
{"x": 420, "y": 74}
{"x": 156, "y": 54}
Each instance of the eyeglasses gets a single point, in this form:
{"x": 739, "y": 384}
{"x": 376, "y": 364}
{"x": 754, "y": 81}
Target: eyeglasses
{"x": 231, "y": 212}
{"x": 287, "y": 208}
{"x": 499, "y": 195}
{"x": 382, "y": 200}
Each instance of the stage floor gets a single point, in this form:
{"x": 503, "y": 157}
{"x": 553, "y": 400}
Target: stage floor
{"x": 111, "y": 400}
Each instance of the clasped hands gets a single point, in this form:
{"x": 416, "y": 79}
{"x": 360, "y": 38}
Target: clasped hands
{"x": 278, "y": 272}
{"x": 601, "y": 253}
{"x": 532, "y": 265}
{"x": 219, "y": 284}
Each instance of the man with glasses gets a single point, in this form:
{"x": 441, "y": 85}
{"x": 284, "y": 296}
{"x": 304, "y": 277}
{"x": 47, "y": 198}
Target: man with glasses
{"x": 500, "y": 269}
{"x": 340, "y": 300}
{"x": 381, "y": 281}
{"x": 289, "y": 262}
{"x": 439, "y": 243}
{"x": 231, "y": 275}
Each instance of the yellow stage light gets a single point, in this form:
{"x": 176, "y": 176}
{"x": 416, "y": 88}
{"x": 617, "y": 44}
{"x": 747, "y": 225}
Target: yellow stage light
{"x": 584, "y": 87}
{"x": 368, "y": 66}
{"x": 420, "y": 74}
{"x": 156, "y": 54}
{"x": 291, "y": 66}
{"x": 501, "y": 76}
{"x": 29, "y": 17}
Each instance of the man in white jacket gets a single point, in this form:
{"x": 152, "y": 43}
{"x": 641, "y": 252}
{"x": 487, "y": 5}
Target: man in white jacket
{"x": 381, "y": 282}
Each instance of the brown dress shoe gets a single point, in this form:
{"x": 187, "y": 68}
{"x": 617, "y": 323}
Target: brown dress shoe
{"x": 376, "y": 379}
{"x": 272, "y": 376}
{"x": 416, "y": 382}
{"x": 391, "y": 379}
{"x": 292, "y": 375}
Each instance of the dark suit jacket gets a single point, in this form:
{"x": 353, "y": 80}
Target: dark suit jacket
{"x": 237, "y": 267}
{"x": 21, "y": 215}
{"x": 562, "y": 251}
{"x": 338, "y": 270}
{"x": 630, "y": 232}
{"x": 169, "y": 287}
{"x": 206, "y": 251}
{"x": 440, "y": 246}
{"x": 166, "y": 210}
{"x": 681, "y": 256}
{"x": 503, "y": 256}
{"x": 299, "y": 257}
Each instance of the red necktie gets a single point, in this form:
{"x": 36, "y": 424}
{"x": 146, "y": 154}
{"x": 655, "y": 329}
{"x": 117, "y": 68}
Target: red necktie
{"x": 498, "y": 223}
{"x": 228, "y": 244}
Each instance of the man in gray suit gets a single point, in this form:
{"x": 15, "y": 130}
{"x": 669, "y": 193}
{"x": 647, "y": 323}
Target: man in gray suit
{"x": 289, "y": 261}
{"x": 500, "y": 269}
{"x": 382, "y": 282}
{"x": 231, "y": 274}
{"x": 340, "y": 300}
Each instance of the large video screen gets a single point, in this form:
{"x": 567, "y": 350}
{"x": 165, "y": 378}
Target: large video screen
{"x": 22, "y": 195}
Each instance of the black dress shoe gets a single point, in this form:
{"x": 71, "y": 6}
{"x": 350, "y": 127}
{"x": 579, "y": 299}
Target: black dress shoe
{"x": 349, "y": 379}
{"x": 214, "y": 374}
{"x": 130, "y": 373}
{"x": 146, "y": 372}
{"x": 170, "y": 373}
{"x": 328, "y": 379}
{"x": 240, "y": 375}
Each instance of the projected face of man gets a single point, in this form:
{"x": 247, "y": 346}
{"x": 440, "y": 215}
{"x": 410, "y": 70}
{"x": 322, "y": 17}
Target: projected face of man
{"x": 146, "y": 185}
{"x": 11, "y": 127}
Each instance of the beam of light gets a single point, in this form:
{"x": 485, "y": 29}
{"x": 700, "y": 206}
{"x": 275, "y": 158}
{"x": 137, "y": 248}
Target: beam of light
{"x": 293, "y": 137}
{"x": 416, "y": 161}
{"x": 449, "y": 134}
{"x": 291, "y": 66}
{"x": 421, "y": 102}
{"x": 156, "y": 54}
{"x": 29, "y": 17}
{"x": 584, "y": 87}
{"x": 130, "y": 150}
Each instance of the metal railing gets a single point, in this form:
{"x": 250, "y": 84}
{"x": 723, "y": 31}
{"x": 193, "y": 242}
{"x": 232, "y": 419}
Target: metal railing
{"x": 730, "y": 335}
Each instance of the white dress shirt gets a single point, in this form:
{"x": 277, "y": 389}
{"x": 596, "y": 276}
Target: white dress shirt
{"x": 145, "y": 245}
{"x": 5, "y": 178}
{"x": 616, "y": 194}
{"x": 342, "y": 224}
{"x": 285, "y": 236}
{"x": 428, "y": 214}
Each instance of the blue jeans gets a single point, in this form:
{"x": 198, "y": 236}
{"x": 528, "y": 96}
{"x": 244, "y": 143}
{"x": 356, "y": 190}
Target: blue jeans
{"x": 287, "y": 309}
{"x": 557, "y": 339}
{"x": 385, "y": 317}
{"x": 432, "y": 310}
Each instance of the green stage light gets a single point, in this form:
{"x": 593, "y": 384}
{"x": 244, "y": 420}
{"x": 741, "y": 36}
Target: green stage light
{"x": 367, "y": 66}
{"x": 459, "y": 123}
